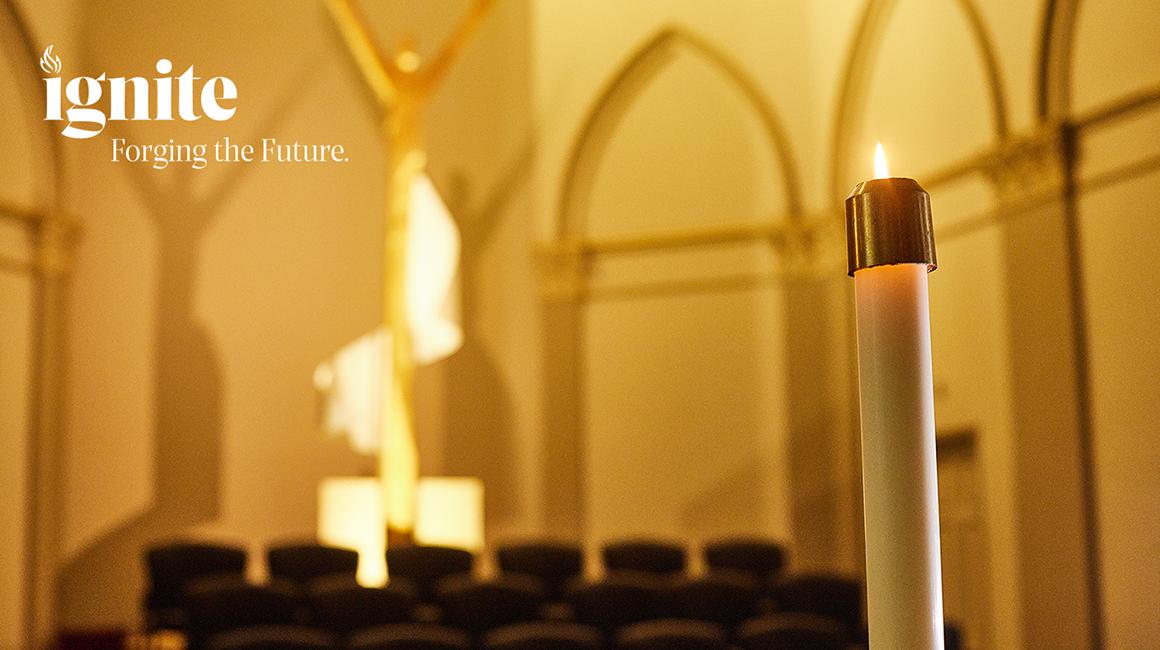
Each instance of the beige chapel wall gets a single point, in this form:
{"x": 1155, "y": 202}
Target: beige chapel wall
{"x": 483, "y": 417}
{"x": 201, "y": 301}
{"x": 683, "y": 389}
{"x": 1119, "y": 231}
{"x": 684, "y": 426}
{"x": 1119, "y": 243}
{"x": 793, "y": 52}
{"x": 16, "y": 366}
{"x": 684, "y": 434}
{"x": 18, "y": 318}
{"x": 26, "y": 200}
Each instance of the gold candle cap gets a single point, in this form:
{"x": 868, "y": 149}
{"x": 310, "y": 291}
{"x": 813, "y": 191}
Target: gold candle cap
{"x": 888, "y": 222}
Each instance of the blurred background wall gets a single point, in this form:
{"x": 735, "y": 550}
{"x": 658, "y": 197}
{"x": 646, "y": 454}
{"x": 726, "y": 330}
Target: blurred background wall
{"x": 657, "y": 317}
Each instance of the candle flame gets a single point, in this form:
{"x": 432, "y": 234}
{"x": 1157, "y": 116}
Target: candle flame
{"x": 880, "y": 168}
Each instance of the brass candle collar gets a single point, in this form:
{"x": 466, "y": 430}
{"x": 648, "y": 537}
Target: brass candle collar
{"x": 888, "y": 222}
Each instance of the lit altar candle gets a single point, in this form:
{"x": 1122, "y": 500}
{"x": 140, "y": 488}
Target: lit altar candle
{"x": 890, "y": 248}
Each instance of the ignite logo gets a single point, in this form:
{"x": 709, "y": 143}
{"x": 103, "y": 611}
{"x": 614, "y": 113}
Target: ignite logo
{"x": 151, "y": 101}
{"x": 49, "y": 63}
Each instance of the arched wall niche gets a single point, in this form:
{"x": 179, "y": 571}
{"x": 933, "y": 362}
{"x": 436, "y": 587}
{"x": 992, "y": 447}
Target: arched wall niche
{"x": 863, "y": 73}
{"x": 625, "y": 86}
{"x": 600, "y": 351}
{"x": 704, "y": 164}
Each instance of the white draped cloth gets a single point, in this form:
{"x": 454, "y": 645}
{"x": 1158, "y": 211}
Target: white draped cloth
{"x": 350, "y": 380}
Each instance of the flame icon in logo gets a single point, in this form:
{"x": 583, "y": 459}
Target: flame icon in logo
{"x": 50, "y": 63}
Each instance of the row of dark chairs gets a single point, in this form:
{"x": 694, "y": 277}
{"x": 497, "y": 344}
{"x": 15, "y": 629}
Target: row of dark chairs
{"x": 433, "y": 598}
{"x": 769, "y": 632}
{"x": 609, "y": 603}
{"x": 171, "y": 565}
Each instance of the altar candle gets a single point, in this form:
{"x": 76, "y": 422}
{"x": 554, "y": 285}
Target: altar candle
{"x": 890, "y": 249}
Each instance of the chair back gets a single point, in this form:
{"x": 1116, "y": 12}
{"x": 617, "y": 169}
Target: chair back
{"x": 554, "y": 563}
{"x": 651, "y": 556}
{"x": 274, "y": 637}
{"x": 341, "y": 605}
{"x": 478, "y": 606}
{"x": 409, "y": 636}
{"x": 761, "y": 558}
{"x": 303, "y": 562}
{"x": 790, "y": 631}
{"x": 617, "y": 599}
{"x": 672, "y": 634}
{"x": 172, "y": 565}
{"x": 223, "y": 603}
{"x": 836, "y": 596}
{"x": 544, "y": 635}
{"x": 721, "y": 597}
{"x": 423, "y": 566}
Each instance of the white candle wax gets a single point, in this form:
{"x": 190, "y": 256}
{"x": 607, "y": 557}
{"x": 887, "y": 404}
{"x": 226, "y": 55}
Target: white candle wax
{"x": 900, "y": 492}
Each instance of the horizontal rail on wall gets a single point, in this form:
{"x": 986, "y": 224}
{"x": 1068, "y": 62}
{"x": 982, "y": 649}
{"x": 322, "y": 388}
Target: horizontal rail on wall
{"x": 9, "y": 210}
{"x": 732, "y": 282}
{"x": 1126, "y": 106}
{"x": 994, "y": 163}
{"x": 18, "y": 267}
{"x": 675, "y": 238}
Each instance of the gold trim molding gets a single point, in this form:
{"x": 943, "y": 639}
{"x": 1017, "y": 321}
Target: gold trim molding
{"x": 1027, "y": 171}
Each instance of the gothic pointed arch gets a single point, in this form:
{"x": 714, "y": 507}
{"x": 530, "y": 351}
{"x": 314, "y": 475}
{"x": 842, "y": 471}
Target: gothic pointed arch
{"x": 627, "y": 84}
{"x": 861, "y": 59}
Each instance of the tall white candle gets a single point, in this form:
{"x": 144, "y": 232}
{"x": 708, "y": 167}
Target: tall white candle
{"x": 900, "y": 492}
{"x": 891, "y": 252}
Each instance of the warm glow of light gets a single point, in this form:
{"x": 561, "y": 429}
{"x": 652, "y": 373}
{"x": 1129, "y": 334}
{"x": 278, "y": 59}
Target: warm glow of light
{"x": 880, "y": 168}
{"x": 449, "y": 512}
{"x": 350, "y": 380}
{"x": 350, "y": 514}
{"x": 432, "y": 274}
{"x": 407, "y": 60}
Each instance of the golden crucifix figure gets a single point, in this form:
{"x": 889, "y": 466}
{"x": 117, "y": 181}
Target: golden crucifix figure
{"x": 401, "y": 84}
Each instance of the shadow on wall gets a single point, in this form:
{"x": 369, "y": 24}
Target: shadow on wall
{"x": 733, "y": 505}
{"x": 479, "y": 414}
{"x": 188, "y": 391}
{"x": 188, "y": 403}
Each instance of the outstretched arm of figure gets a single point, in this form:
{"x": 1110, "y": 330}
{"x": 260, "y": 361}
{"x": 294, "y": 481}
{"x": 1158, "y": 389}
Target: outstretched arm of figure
{"x": 376, "y": 68}
{"x": 434, "y": 72}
